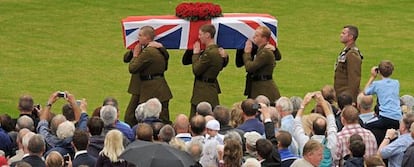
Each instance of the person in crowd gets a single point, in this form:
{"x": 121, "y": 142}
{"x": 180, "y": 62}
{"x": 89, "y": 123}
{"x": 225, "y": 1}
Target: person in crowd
{"x": 251, "y": 162}
{"x": 357, "y": 148}
{"x": 250, "y": 107}
{"x": 206, "y": 66}
{"x": 151, "y": 110}
{"x": 151, "y": 63}
{"x": 212, "y": 129}
{"x": 408, "y": 157}
{"x": 349, "y": 118}
{"x": 344, "y": 100}
{"x": 394, "y": 151}
{"x": 264, "y": 150}
{"x": 259, "y": 79}
{"x": 374, "y": 161}
{"x": 231, "y": 155}
{"x": 222, "y": 115}
{"x": 96, "y": 140}
{"x": 387, "y": 91}
{"x": 177, "y": 143}
{"x": 347, "y": 75}
{"x": 80, "y": 143}
{"x": 285, "y": 108}
{"x": 36, "y": 148}
{"x": 113, "y": 147}
{"x": 166, "y": 133}
{"x": 54, "y": 159}
{"x": 6, "y": 141}
{"x": 204, "y": 108}
{"x": 364, "y": 106}
{"x": 145, "y": 132}
{"x": 195, "y": 149}
{"x": 296, "y": 102}
{"x": 284, "y": 140}
{"x": 64, "y": 134}
{"x": 323, "y": 129}
{"x": 182, "y": 128}
{"x": 407, "y": 103}
{"x": 236, "y": 115}
{"x": 25, "y": 121}
{"x": 26, "y": 107}
{"x": 20, "y": 152}
{"x": 250, "y": 145}
{"x": 312, "y": 155}
{"x": 269, "y": 157}
{"x": 263, "y": 99}
{"x": 197, "y": 128}
{"x": 108, "y": 114}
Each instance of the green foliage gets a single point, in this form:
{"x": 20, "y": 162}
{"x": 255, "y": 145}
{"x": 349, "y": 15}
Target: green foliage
{"x": 77, "y": 46}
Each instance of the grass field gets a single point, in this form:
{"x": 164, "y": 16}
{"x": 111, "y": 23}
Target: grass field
{"x": 77, "y": 46}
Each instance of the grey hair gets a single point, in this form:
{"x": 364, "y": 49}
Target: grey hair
{"x": 139, "y": 112}
{"x": 65, "y": 130}
{"x": 196, "y": 155}
{"x": 233, "y": 135}
{"x": 204, "y": 108}
{"x": 263, "y": 99}
{"x": 296, "y": 101}
{"x": 285, "y": 104}
{"x": 108, "y": 115}
{"x": 251, "y": 162}
{"x": 26, "y": 138}
{"x": 152, "y": 108}
{"x": 25, "y": 122}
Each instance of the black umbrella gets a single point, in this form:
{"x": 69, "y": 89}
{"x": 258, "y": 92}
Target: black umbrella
{"x": 147, "y": 154}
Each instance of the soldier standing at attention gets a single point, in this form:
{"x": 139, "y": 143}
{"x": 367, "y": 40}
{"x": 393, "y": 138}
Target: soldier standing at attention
{"x": 259, "y": 80}
{"x": 151, "y": 63}
{"x": 348, "y": 65}
{"x": 206, "y": 66}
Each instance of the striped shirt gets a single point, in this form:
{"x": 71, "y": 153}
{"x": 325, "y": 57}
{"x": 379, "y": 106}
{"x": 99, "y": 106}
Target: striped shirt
{"x": 342, "y": 145}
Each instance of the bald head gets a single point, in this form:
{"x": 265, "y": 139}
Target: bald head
{"x": 181, "y": 124}
{"x": 364, "y": 103}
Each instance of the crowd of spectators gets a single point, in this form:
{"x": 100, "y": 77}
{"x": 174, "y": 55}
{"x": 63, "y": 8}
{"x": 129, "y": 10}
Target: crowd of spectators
{"x": 337, "y": 132}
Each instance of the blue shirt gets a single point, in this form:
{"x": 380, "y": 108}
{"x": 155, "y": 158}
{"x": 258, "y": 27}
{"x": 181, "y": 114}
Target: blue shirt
{"x": 285, "y": 154}
{"x": 125, "y": 129}
{"x": 288, "y": 123}
{"x": 252, "y": 125}
{"x": 6, "y": 142}
{"x": 387, "y": 91}
{"x": 394, "y": 151}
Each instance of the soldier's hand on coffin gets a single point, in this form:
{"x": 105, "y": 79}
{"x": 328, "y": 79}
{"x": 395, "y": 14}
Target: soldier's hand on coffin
{"x": 223, "y": 53}
{"x": 271, "y": 47}
{"x": 137, "y": 49}
{"x": 155, "y": 44}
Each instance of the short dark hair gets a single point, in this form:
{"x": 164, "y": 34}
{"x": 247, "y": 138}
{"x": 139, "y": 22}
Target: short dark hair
{"x": 26, "y": 103}
{"x": 353, "y": 30}
{"x": 67, "y": 111}
{"x": 95, "y": 126}
{"x": 284, "y": 138}
{"x": 197, "y": 124}
{"x": 264, "y": 148}
{"x": 386, "y": 68}
{"x": 107, "y": 101}
{"x": 247, "y": 107}
{"x": 317, "y": 127}
{"x": 208, "y": 28}
{"x": 356, "y": 145}
{"x": 80, "y": 139}
{"x": 344, "y": 99}
{"x": 222, "y": 115}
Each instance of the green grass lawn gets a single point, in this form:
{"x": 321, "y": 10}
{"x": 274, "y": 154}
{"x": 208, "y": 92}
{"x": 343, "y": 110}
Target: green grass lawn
{"x": 77, "y": 46}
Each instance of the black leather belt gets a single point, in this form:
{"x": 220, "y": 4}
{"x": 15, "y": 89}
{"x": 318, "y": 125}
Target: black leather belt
{"x": 261, "y": 77}
{"x": 151, "y": 77}
{"x": 204, "y": 79}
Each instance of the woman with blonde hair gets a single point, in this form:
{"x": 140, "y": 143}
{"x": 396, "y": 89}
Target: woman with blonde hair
{"x": 113, "y": 147}
{"x": 236, "y": 115}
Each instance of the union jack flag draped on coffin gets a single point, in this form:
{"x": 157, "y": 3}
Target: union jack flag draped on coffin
{"x": 174, "y": 33}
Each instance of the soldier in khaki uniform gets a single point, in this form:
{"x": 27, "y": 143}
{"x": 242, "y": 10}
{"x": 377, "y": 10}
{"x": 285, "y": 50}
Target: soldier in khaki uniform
{"x": 206, "y": 67}
{"x": 151, "y": 63}
{"x": 133, "y": 89}
{"x": 348, "y": 65}
{"x": 259, "y": 80}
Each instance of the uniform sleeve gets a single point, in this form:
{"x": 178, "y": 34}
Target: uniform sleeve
{"x": 141, "y": 62}
{"x": 354, "y": 72}
{"x": 200, "y": 63}
{"x": 128, "y": 56}
{"x": 258, "y": 62}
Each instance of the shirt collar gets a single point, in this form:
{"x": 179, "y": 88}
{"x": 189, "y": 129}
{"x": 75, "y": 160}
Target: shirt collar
{"x": 80, "y": 152}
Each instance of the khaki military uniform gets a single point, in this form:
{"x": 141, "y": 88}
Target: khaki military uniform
{"x": 133, "y": 89}
{"x": 348, "y": 72}
{"x": 206, "y": 68}
{"x": 259, "y": 80}
{"x": 151, "y": 64}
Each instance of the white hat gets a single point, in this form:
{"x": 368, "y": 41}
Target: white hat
{"x": 213, "y": 125}
{"x": 252, "y": 137}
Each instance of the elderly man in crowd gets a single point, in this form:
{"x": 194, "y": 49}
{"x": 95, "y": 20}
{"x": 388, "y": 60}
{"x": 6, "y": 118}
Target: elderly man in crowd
{"x": 36, "y": 149}
{"x": 181, "y": 127}
{"x": 312, "y": 155}
{"x": 394, "y": 151}
{"x": 204, "y": 109}
{"x": 364, "y": 105}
